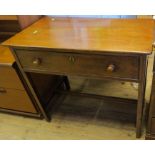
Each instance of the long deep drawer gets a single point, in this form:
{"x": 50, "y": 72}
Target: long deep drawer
{"x": 16, "y": 100}
{"x": 125, "y": 67}
{"x": 9, "y": 78}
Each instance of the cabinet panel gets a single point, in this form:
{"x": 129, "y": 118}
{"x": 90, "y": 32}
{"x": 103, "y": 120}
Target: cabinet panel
{"x": 16, "y": 100}
{"x": 9, "y": 78}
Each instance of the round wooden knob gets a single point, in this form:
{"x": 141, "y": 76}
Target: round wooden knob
{"x": 111, "y": 68}
{"x": 37, "y": 61}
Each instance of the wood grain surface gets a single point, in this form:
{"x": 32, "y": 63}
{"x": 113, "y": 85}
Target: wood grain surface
{"x": 5, "y": 56}
{"x": 110, "y": 35}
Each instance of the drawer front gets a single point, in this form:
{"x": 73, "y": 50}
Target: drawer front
{"x": 16, "y": 100}
{"x": 80, "y": 64}
{"x": 9, "y": 78}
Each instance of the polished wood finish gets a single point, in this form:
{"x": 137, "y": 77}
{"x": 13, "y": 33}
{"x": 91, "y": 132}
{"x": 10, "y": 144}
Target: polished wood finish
{"x": 5, "y": 56}
{"x": 16, "y": 100}
{"x": 15, "y": 96}
{"x": 43, "y": 89}
{"x": 88, "y": 34}
{"x": 126, "y": 67}
{"x": 102, "y": 48}
{"x": 12, "y": 92}
{"x": 9, "y": 78}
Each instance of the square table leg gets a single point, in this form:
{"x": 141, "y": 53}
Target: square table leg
{"x": 141, "y": 95}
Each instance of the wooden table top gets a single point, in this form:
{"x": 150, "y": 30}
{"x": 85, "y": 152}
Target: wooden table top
{"x": 6, "y": 57}
{"x": 110, "y": 35}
